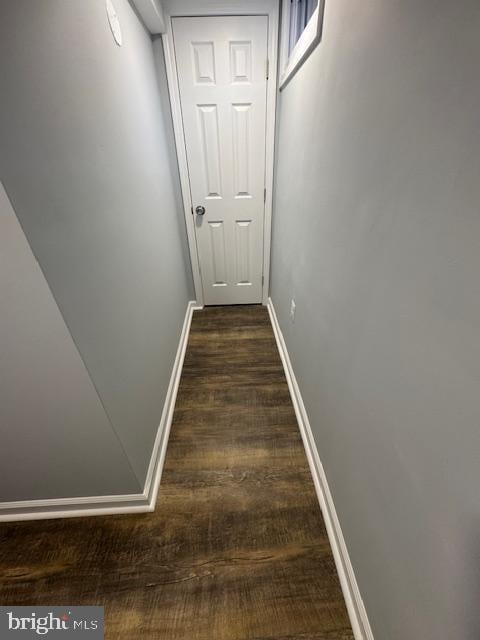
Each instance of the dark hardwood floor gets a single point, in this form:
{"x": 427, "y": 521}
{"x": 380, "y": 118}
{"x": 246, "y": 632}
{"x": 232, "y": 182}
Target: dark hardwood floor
{"x": 236, "y": 549}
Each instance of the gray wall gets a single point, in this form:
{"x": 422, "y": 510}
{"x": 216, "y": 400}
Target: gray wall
{"x": 85, "y": 157}
{"x": 377, "y": 238}
{"x": 56, "y": 440}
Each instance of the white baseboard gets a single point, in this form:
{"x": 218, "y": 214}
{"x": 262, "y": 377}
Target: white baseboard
{"x": 353, "y": 600}
{"x": 116, "y": 504}
{"x": 155, "y": 467}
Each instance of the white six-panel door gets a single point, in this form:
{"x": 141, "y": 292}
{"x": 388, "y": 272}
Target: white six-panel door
{"x": 222, "y": 65}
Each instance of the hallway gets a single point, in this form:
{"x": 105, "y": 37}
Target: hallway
{"x": 236, "y": 549}
{"x": 239, "y": 344}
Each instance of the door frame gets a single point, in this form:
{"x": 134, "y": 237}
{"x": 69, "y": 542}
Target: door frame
{"x": 201, "y": 8}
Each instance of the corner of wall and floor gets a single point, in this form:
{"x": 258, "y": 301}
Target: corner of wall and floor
{"x": 353, "y": 599}
{"x": 141, "y": 502}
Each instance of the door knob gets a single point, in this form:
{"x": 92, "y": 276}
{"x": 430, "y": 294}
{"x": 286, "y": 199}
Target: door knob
{"x": 200, "y": 211}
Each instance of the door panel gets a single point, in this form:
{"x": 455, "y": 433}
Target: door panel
{"x": 208, "y": 124}
{"x": 221, "y": 64}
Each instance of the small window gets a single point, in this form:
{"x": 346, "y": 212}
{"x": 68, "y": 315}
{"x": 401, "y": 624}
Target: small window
{"x": 301, "y": 32}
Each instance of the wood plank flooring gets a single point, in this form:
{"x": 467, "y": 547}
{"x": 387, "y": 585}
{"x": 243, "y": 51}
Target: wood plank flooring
{"x": 236, "y": 549}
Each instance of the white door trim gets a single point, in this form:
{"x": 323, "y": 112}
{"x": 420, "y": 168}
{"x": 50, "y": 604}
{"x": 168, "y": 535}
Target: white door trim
{"x": 177, "y": 8}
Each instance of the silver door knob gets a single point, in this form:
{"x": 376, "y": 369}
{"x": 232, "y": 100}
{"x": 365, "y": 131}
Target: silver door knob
{"x": 200, "y": 211}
